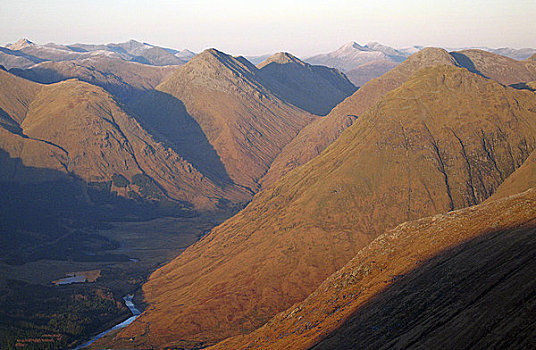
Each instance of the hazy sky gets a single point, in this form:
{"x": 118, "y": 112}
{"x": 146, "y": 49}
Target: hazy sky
{"x": 257, "y": 27}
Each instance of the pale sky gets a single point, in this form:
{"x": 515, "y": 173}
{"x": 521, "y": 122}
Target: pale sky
{"x": 251, "y": 27}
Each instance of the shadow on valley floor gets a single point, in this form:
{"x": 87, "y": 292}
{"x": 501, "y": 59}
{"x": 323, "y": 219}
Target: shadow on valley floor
{"x": 47, "y": 214}
{"x": 166, "y": 117}
{"x": 478, "y": 295}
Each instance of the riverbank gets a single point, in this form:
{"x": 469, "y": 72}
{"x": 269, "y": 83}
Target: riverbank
{"x": 135, "y": 313}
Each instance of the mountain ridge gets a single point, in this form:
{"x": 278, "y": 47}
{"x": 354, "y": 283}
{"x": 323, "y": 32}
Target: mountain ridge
{"x": 301, "y": 229}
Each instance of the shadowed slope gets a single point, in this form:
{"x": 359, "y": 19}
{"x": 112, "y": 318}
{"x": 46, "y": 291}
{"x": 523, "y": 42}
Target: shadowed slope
{"x": 444, "y": 140}
{"x": 316, "y": 89}
{"x": 460, "y": 280}
{"x": 499, "y": 68}
{"x": 368, "y": 71}
{"x": 167, "y": 119}
{"x": 244, "y": 121}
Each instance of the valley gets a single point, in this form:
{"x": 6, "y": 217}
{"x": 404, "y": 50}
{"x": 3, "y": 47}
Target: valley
{"x": 369, "y": 197}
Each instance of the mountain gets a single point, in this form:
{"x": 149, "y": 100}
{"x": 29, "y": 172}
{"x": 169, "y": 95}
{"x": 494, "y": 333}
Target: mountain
{"x": 517, "y": 54}
{"x": 243, "y": 120}
{"x": 316, "y": 89}
{"x": 10, "y": 59}
{"x": 78, "y": 129}
{"x": 445, "y": 139}
{"x": 257, "y": 59}
{"x": 185, "y": 55}
{"x": 352, "y": 57}
{"x": 24, "y": 53}
{"x": 315, "y": 137}
{"x": 458, "y": 280}
{"x": 499, "y": 68}
{"x": 521, "y": 180}
{"x": 124, "y": 79}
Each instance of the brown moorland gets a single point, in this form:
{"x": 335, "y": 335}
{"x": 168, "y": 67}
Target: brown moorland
{"x": 502, "y": 69}
{"x": 315, "y": 137}
{"x": 455, "y": 281}
{"x": 445, "y": 139}
{"x": 246, "y": 124}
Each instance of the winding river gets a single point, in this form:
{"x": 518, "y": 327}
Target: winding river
{"x": 135, "y": 313}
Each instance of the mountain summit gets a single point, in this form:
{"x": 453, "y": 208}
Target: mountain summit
{"x": 20, "y": 44}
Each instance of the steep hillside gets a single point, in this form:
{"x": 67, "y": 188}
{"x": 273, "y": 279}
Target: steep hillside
{"x": 246, "y": 124}
{"x": 16, "y": 94}
{"x": 79, "y": 129}
{"x": 521, "y": 180}
{"x": 314, "y": 138}
{"x": 126, "y": 80}
{"x": 309, "y": 143}
{"x": 316, "y": 89}
{"x": 459, "y": 280}
{"x": 444, "y": 140}
{"x": 499, "y": 68}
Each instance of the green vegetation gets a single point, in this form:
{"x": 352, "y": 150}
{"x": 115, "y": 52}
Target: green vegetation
{"x": 148, "y": 187}
{"x": 39, "y": 317}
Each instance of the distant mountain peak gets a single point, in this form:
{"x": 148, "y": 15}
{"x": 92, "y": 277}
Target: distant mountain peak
{"x": 20, "y": 44}
{"x": 351, "y": 46}
{"x": 281, "y": 58}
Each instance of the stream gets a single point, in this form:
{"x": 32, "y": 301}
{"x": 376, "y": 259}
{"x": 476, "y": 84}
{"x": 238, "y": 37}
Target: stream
{"x": 135, "y": 313}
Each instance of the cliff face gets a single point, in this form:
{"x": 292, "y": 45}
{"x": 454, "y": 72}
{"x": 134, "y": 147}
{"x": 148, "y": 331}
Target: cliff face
{"x": 443, "y": 140}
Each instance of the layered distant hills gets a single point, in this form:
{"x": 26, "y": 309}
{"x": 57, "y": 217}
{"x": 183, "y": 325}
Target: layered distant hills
{"x": 25, "y": 53}
{"x": 362, "y": 63}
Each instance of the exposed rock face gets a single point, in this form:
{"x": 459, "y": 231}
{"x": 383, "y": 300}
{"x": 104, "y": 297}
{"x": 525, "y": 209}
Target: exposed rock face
{"x": 316, "y": 89}
{"x": 459, "y": 280}
{"x": 445, "y": 139}
{"x": 246, "y": 124}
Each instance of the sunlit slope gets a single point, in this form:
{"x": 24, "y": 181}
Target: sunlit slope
{"x": 445, "y": 139}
